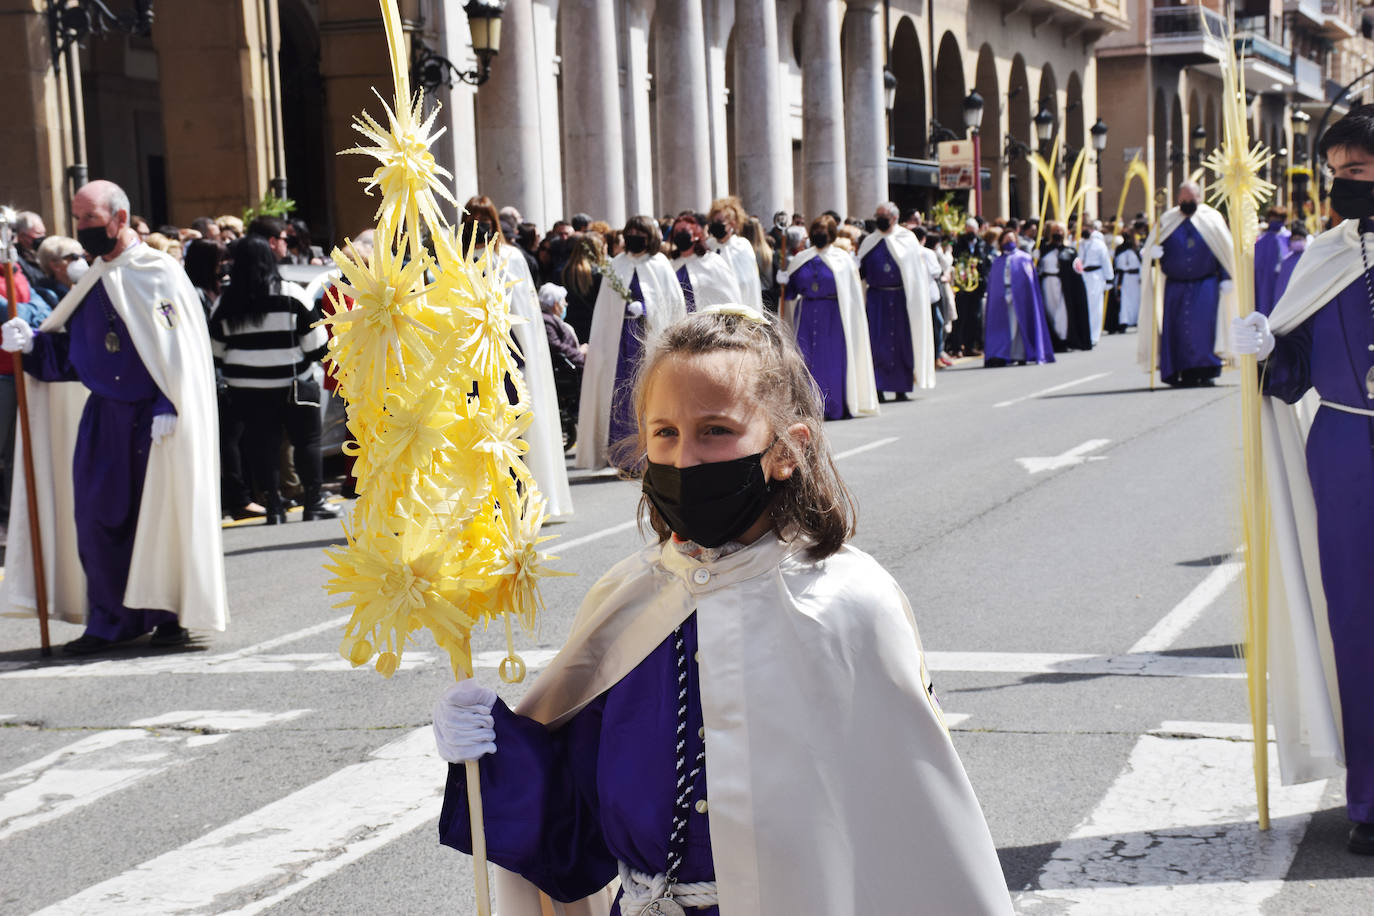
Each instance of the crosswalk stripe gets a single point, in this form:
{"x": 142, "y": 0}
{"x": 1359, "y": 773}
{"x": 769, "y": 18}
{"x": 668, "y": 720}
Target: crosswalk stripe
{"x": 278, "y": 850}
{"x": 187, "y": 663}
{"x": 1177, "y": 832}
{"x": 97, "y": 765}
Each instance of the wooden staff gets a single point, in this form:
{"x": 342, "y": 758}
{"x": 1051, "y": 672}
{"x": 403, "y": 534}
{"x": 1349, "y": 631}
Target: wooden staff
{"x": 40, "y": 582}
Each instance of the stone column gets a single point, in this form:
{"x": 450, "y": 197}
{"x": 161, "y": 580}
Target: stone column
{"x": 551, "y": 149}
{"x": 823, "y": 163}
{"x": 509, "y": 158}
{"x": 684, "y": 129}
{"x": 636, "y": 121}
{"x": 865, "y": 115}
{"x": 760, "y": 141}
{"x": 593, "y": 150}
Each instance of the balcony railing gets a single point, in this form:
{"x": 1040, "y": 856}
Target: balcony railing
{"x": 1308, "y": 76}
{"x": 1252, "y": 44}
{"x": 1186, "y": 22}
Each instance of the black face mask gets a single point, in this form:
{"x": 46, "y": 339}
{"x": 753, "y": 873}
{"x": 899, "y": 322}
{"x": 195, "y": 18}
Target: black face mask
{"x": 1188, "y": 207}
{"x": 1351, "y": 198}
{"x": 95, "y": 240}
{"x": 636, "y": 244}
{"x": 1056, "y": 240}
{"x": 710, "y": 504}
{"x": 477, "y": 232}
{"x": 820, "y": 239}
{"x": 883, "y": 223}
{"x": 682, "y": 240}
{"x": 717, "y": 230}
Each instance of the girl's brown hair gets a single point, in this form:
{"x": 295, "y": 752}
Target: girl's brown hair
{"x": 825, "y": 223}
{"x": 588, "y": 249}
{"x": 813, "y": 503}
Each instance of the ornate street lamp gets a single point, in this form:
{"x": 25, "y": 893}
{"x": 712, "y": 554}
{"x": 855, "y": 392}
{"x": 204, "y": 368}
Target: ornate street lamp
{"x": 430, "y": 70}
{"x": 1198, "y": 144}
{"x": 889, "y": 103}
{"x": 1302, "y": 122}
{"x": 1044, "y": 125}
{"x": 973, "y": 120}
{"x": 1099, "y": 135}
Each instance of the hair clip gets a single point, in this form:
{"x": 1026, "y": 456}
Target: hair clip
{"x": 734, "y": 311}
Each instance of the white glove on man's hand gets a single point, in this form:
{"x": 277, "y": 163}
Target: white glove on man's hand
{"x": 1227, "y": 286}
{"x": 783, "y": 277}
{"x": 463, "y": 725}
{"x": 1156, "y": 252}
{"x": 634, "y": 310}
{"x": 1251, "y": 335}
{"x": 16, "y": 336}
{"x": 164, "y": 424}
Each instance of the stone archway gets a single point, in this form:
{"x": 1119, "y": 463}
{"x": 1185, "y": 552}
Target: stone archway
{"x": 1161, "y": 136}
{"x": 1178, "y": 155}
{"x": 1020, "y": 129}
{"x": 309, "y": 161}
{"x": 948, "y": 87}
{"x": 909, "y": 108}
{"x": 989, "y": 131}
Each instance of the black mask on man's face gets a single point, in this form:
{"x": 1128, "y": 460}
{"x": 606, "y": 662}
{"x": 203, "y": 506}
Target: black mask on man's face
{"x": 1188, "y": 207}
{"x": 97, "y": 240}
{"x": 883, "y": 222}
{"x": 1352, "y": 198}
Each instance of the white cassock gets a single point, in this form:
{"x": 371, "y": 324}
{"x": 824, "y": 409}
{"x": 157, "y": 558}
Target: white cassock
{"x": 712, "y": 282}
{"x": 663, "y": 305}
{"x": 545, "y": 435}
{"x": 1097, "y": 277}
{"x": 905, "y": 249}
{"x": 860, "y": 386}
{"x": 800, "y": 660}
{"x": 739, "y": 254}
{"x": 178, "y": 557}
{"x": 1126, "y": 265}
{"x": 1053, "y": 293}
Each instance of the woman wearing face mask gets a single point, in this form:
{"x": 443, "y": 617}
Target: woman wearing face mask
{"x": 1297, "y": 244}
{"x": 639, "y": 297}
{"x": 1015, "y": 327}
{"x": 1126, "y": 266}
{"x": 481, "y": 228}
{"x": 824, "y": 301}
{"x": 726, "y": 220}
{"x": 704, "y": 276}
{"x": 63, "y": 264}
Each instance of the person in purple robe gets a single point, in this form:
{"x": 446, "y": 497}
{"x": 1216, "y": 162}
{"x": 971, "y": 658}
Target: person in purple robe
{"x": 889, "y": 323}
{"x": 1270, "y": 249}
{"x": 641, "y": 771}
{"x": 1331, "y": 350}
{"x": 1015, "y": 329}
{"x": 1297, "y": 244}
{"x": 819, "y": 324}
{"x": 1192, "y": 293}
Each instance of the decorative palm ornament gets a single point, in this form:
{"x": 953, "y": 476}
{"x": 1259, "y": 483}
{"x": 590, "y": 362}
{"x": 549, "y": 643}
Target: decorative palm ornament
{"x": 445, "y": 532}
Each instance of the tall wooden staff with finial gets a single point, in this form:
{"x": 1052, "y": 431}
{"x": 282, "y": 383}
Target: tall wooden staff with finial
{"x": 40, "y": 582}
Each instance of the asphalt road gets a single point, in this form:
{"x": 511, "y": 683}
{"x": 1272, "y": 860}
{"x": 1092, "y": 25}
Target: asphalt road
{"x": 1067, "y": 539}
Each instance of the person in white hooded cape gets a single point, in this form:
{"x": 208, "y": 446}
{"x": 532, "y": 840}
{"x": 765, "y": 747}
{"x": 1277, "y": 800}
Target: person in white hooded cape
{"x": 622, "y": 325}
{"x": 1097, "y": 276}
{"x": 705, "y": 276}
{"x": 176, "y": 563}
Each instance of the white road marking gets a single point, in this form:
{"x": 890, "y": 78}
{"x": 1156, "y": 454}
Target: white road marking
{"x": 860, "y": 449}
{"x": 955, "y": 718}
{"x": 87, "y": 770}
{"x": 560, "y": 547}
{"x": 1074, "y": 456}
{"x": 280, "y": 849}
{"x": 285, "y": 663}
{"x": 1052, "y": 390}
{"x": 1163, "y": 634}
{"x": 1145, "y": 664}
{"x": 534, "y": 659}
{"x": 1177, "y": 833}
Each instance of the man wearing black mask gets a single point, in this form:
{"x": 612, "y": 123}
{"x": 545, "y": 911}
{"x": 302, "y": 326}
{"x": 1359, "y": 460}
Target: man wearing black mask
{"x": 1192, "y": 245}
{"x": 972, "y": 258}
{"x": 1321, "y": 336}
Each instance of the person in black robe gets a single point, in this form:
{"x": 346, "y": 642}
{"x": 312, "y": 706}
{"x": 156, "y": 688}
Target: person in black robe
{"x": 1069, "y": 270}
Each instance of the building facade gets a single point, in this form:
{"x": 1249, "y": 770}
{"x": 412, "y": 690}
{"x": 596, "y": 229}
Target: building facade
{"x": 610, "y": 107}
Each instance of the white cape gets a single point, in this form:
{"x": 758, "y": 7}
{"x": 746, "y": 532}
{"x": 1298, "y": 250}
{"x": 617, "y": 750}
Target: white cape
{"x": 905, "y": 249}
{"x": 833, "y": 784}
{"x": 1215, "y": 233}
{"x": 545, "y": 435}
{"x": 178, "y": 557}
{"x": 1128, "y": 260}
{"x": 1094, "y": 253}
{"x": 663, "y": 304}
{"x": 860, "y": 385}
{"x": 713, "y": 282}
{"x": 1053, "y": 292}
{"x": 739, "y": 254}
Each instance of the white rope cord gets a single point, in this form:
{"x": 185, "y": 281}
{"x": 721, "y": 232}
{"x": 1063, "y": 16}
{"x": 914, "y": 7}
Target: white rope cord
{"x": 639, "y": 890}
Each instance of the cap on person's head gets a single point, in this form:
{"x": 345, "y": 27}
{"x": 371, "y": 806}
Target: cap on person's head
{"x": 580, "y": 221}
{"x": 550, "y": 295}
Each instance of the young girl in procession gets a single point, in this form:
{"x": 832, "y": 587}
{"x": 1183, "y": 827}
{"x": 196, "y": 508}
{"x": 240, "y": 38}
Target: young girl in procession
{"x": 741, "y": 721}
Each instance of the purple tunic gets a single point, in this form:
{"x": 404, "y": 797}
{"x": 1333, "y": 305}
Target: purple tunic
{"x": 110, "y": 459}
{"x": 631, "y": 351}
{"x": 562, "y": 807}
{"x": 685, "y": 281}
{"x": 1270, "y": 250}
{"x": 889, "y": 325}
{"x": 1332, "y": 351}
{"x": 1013, "y": 294}
{"x": 1188, "y": 331}
{"x": 820, "y": 331}
{"x": 1290, "y": 261}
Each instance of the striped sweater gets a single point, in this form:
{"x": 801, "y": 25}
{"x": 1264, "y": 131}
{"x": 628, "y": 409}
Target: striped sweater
{"x": 280, "y": 346}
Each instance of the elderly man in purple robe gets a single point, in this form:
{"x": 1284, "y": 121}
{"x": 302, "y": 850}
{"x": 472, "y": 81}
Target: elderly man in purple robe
{"x": 1270, "y": 249}
{"x": 1192, "y": 245}
{"x": 145, "y": 467}
{"x": 900, "y": 330}
{"x": 1015, "y": 327}
{"x": 1321, "y": 336}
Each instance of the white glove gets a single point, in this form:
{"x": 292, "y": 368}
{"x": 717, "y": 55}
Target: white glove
{"x": 1156, "y": 252}
{"x": 1251, "y": 335}
{"x": 16, "y": 336}
{"x": 463, "y": 725}
{"x": 164, "y": 424}
{"x": 1227, "y": 286}
{"x": 783, "y": 277}
{"x": 634, "y": 310}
